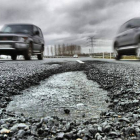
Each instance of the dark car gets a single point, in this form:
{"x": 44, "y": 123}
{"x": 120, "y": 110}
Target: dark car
{"x": 127, "y": 42}
{"x": 21, "y": 39}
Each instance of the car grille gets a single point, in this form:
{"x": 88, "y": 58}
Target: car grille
{"x": 3, "y": 38}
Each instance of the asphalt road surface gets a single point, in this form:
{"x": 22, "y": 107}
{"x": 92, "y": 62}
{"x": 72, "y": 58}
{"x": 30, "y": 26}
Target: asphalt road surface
{"x": 45, "y": 60}
{"x": 119, "y": 78}
{"x": 69, "y": 90}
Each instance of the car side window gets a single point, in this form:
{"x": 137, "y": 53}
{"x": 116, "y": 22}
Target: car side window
{"x": 135, "y": 23}
{"x": 35, "y": 29}
{"x": 40, "y": 33}
{"x": 124, "y": 27}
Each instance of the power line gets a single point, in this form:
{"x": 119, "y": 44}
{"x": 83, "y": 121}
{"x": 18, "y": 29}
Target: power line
{"x": 91, "y": 40}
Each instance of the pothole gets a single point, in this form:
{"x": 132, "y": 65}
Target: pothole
{"x": 70, "y": 91}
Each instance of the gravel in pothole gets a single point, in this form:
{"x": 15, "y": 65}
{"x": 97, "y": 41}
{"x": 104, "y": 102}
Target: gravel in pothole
{"x": 69, "y": 95}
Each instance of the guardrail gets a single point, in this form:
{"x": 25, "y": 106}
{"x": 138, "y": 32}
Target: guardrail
{"x": 103, "y": 55}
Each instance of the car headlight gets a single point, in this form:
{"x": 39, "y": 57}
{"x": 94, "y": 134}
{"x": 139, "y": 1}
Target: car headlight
{"x": 22, "y": 39}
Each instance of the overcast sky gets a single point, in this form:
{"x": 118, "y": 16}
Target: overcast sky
{"x": 70, "y": 21}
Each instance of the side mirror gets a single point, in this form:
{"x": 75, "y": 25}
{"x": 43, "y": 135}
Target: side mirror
{"x": 36, "y": 33}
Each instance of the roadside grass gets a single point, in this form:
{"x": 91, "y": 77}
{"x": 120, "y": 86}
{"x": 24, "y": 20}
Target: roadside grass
{"x": 124, "y": 57}
{"x": 129, "y": 57}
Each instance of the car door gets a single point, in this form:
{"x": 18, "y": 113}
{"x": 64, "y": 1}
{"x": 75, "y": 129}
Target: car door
{"x": 130, "y": 33}
{"x": 119, "y": 37}
{"x": 124, "y": 35}
{"x": 36, "y": 40}
{"x": 41, "y": 40}
{"x": 133, "y": 25}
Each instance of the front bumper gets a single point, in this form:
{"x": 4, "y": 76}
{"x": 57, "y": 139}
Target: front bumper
{"x": 21, "y": 46}
{"x": 127, "y": 50}
{"x": 8, "y": 48}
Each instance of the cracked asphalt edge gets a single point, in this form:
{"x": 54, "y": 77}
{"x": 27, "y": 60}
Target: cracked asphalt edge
{"x": 14, "y": 84}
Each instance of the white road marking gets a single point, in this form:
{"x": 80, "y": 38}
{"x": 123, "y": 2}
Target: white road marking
{"x": 80, "y": 61}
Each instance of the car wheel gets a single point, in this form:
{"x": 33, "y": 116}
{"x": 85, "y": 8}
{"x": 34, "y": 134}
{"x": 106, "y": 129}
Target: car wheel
{"x": 28, "y": 53}
{"x": 40, "y": 56}
{"x": 138, "y": 51}
{"x": 14, "y": 57}
{"x": 117, "y": 56}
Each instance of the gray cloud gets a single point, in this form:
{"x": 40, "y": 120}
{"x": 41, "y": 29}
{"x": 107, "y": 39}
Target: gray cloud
{"x": 67, "y": 21}
{"x": 91, "y": 13}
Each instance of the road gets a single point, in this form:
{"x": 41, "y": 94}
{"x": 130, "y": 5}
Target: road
{"x": 137, "y": 62}
{"x": 49, "y": 60}
{"x": 69, "y": 90}
{"x": 52, "y": 59}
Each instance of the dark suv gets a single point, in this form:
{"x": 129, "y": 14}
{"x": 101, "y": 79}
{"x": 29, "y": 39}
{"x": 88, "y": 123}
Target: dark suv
{"x": 21, "y": 39}
{"x": 127, "y": 42}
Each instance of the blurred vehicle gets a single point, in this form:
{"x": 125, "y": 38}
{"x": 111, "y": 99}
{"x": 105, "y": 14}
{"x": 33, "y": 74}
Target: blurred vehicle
{"x": 75, "y": 56}
{"x": 21, "y": 39}
{"x": 127, "y": 41}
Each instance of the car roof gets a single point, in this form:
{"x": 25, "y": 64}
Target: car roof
{"x": 135, "y": 18}
{"x": 132, "y": 19}
{"x": 22, "y": 24}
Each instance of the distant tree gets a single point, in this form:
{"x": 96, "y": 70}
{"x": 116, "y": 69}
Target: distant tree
{"x": 59, "y": 50}
{"x": 70, "y": 49}
{"x": 63, "y": 49}
{"x": 52, "y": 51}
{"x": 55, "y": 49}
{"x": 48, "y": 50}
{"x": 79, "y": 49}
{"x": 67, "y": 49}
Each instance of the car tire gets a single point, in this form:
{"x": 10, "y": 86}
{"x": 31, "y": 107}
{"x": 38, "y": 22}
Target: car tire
{"x": 14, "y": 57}
{"x": 28, "y": 53}
{"x": 117, "y": 56}
{"x": 138, "y": 51}
{"x": 40, "y": 56}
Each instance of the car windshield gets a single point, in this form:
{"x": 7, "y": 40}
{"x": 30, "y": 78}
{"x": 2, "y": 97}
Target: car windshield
{"x": 135, "y": 22}
{"x": 25, "y": 29}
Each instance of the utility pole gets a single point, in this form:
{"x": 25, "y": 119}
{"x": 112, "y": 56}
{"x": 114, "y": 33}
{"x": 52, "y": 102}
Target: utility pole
{"x": 91, "y": 41}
